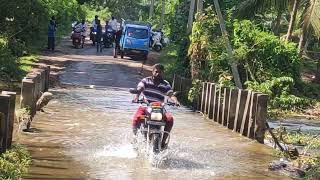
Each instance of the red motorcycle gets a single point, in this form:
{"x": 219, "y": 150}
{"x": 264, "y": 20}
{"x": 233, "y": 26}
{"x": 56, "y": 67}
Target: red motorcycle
{"x": 77, "y": 39}
{"x": 154, "y": 123}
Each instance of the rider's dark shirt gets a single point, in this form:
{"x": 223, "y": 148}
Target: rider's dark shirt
{"x": 154, "y": 92}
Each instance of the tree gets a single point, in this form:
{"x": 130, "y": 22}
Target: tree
{"x": 292, "y": 19}
{"x": 248, "y": 8}
{"x": 310, "y": 16}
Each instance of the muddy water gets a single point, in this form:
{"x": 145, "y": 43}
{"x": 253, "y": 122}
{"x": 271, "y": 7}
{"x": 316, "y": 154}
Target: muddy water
{"x": 85, "y": 133}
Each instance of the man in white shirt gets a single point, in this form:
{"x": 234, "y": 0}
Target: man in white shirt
{"x": 83, "y": 28}
{"x": 113, "y": 24}
{"x": 94, "y": 22}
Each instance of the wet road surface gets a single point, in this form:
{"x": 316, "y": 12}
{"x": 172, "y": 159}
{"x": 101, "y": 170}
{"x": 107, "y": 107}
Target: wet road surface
{"x": 85, "y": 133}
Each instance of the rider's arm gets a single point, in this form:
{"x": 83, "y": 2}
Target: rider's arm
{"x": 140, "y": 88}
{"x": 171, "y": 95}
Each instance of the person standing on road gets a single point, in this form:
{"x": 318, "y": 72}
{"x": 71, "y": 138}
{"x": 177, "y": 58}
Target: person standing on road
{"x": 117, "y": 42}
{"x": 51, "y": 35}
{"x": 99, "y": 36}
{"x": 113, "y": 24}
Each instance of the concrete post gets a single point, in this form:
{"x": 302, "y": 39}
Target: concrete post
{"x": 261, "y": 115}
{"x": 27, "y": 95}
{"x": 5, "y": 110}
{"x": 11, "y": 115}
{"x": 46, "y": 77}
{"x": 2, "y": 124}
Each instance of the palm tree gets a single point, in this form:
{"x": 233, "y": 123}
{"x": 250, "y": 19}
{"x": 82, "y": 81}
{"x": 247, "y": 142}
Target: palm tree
{"x": 311, "y": 16}
{"x": 249, "y": 8}
{"x": 292, "y": 19}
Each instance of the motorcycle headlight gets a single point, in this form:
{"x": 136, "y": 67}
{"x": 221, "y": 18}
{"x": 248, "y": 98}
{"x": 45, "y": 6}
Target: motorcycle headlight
{"x": 156, "y": 116}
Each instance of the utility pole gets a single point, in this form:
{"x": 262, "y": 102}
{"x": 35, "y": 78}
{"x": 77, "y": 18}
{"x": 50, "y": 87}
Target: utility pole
{"x": 163, "y": 13}
{"x": 151, "y": 8}
{"x": 200, "y": 6}
{"x": 190, "y": 19}
{"x": 233, "y": 63}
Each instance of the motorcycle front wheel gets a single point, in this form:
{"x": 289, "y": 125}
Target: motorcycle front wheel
{"x": 155, "y": 143}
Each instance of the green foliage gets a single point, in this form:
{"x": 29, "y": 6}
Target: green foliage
{"x": 126, "y": 9}
{"x": 24, "y": 26}
{"x": 279, "y": 90}
{"x": 14, "y": 163}
{"x": 195, "y": 90}
{"x": 173, "y": 63}
{"x": 264, "y": 55}
{"x": 8, "y": 62}
{"x": 103, "y": 12}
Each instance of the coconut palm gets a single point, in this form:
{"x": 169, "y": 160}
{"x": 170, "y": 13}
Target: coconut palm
{"x": 248, "y": 8}
{"x": 311, "y": 21}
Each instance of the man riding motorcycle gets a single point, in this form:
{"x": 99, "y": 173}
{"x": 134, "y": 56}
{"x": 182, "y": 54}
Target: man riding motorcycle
{"x": 154, "y": 89}
{"x": 77, "y": 38}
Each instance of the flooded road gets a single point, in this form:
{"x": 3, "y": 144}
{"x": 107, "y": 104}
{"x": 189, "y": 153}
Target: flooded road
{"x": 85, "y": 133}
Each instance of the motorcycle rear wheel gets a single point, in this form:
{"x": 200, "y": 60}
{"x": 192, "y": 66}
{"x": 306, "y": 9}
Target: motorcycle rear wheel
{"x": 157, "y": 48}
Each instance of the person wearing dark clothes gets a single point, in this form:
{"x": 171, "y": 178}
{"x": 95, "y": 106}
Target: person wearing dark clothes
{"x": 117, "y": 42}
{"x": 51, "y": 35}
{"x": 99, "y": 36}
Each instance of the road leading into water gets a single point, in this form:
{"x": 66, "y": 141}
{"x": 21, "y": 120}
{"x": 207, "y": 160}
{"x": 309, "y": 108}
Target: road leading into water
{"x": 85, "y": 132}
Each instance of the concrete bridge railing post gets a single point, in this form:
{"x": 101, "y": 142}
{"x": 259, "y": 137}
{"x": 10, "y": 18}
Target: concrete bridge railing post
{"x": 242, "y": 111}
{"x": 261, "y": 116}
{"x": 11, "y": 115}
{"x": 4, "y": 124}
{"x": 27, "y": 95}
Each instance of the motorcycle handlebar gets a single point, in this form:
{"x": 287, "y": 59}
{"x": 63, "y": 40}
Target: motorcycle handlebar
{"x": 144, "y": 102}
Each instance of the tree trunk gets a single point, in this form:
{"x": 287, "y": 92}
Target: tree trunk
{"x": 305, "y": 29}
{"x": 292, "y": 19}
{"x": 195, "y": 69}
{"x": 200, "y": 6}
{"x": 318, "y": 72}
{"x": 151, "y": 11}
{"x": 190, "y": 19}
{"x": 277, "y": 25}
{"x": 233, "y": 63}
{"x": 302, "y": 38}
{"x": 163, "y": 13}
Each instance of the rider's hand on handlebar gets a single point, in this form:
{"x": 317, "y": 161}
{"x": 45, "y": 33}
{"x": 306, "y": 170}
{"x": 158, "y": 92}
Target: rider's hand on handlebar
{"x": 135, "y": 99}
{"x": 177, "y": 103}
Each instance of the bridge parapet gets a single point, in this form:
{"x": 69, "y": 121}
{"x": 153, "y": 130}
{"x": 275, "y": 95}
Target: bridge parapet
{"x": 242, "y": 111}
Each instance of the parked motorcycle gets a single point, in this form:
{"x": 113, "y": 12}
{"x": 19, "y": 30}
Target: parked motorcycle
{"x": 154, "y": 123}
{"x": 156, "y": 41}
{"x": 108, "y": 37}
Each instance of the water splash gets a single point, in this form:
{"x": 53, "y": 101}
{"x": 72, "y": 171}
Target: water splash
{"x": 119, "y": 151}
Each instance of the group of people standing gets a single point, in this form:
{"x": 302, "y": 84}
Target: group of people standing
{"x": 112, "y": 25}
{"x": 81, "y": 27}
